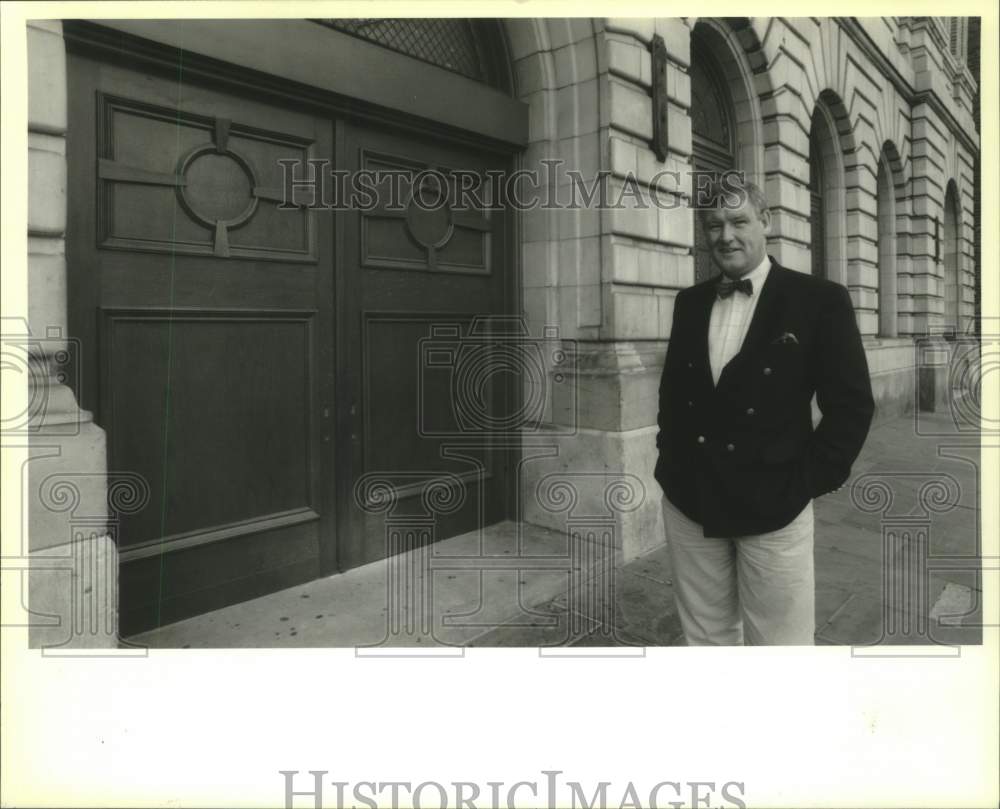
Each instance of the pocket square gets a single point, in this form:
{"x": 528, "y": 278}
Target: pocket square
{"x": 787, "y": 337}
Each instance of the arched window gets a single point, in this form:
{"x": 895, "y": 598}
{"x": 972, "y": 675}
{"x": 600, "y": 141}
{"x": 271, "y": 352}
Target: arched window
{"x": 712, "y": 127}
{"x": 952, "y": 263}
{"x": 829, "y": 141}
{"x": 713, "y": 133}
{"x": 817, "y": 212}
{"x": 958, "y": 37}
{"x": 472, "y": 48}
{"x": 886, "y": 216}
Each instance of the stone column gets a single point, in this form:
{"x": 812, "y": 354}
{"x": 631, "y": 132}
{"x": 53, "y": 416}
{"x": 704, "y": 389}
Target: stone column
{"x": 606, "y": 277}
{"x": 72, "y": 559}
{"x": 603, "y": 435}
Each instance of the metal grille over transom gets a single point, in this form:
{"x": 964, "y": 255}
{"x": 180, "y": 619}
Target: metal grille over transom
{"x": 447, "y": 43}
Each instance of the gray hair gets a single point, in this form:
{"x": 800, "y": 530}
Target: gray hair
{"x": 724, "y": 190}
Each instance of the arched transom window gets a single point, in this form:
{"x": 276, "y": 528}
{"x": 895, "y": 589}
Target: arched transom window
{"x": 463, "y": 46}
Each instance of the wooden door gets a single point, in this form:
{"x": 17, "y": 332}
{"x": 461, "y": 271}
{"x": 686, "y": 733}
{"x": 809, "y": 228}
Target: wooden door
{"x": 205, "y": 313}
{"x": 431, "y": 366}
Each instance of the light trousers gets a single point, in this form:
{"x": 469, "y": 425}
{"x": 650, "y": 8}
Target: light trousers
{"x": 758, "y": 589}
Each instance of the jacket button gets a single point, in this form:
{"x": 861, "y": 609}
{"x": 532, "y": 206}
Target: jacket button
{"x": 730, "y": 447}
{"x": 701, "y": 439}
{"x": 767, "y": 372}
{"x": 750, "y": 411}
{"x": 690, "y": 404}
{"x": 690, "y": 365}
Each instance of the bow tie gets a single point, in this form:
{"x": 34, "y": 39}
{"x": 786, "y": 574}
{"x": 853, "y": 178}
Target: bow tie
{"x": 724, "y": 287}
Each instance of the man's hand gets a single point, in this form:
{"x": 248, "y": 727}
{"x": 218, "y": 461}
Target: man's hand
{"x": 844, "y": 396}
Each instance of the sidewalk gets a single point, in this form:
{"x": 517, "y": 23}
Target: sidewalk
{"x": 896, "y": 558}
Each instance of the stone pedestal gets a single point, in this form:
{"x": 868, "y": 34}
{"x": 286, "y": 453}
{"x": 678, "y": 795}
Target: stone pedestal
{"x": 72, "y": 598}
{"x": 891, "y": 363}
{"x": 72, "y": 583}
{"x": 933, "y": 374}
{"x": 73, "y": 595}
{"x": 595, "y": 464}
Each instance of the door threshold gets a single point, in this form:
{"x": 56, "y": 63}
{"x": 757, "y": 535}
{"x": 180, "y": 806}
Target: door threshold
{"x": 447, "y": 594}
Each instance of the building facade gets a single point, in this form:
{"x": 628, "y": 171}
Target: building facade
{"x": 237, "y": 395}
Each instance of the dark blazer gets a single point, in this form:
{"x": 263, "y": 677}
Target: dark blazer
{"x": 743, "y": 457}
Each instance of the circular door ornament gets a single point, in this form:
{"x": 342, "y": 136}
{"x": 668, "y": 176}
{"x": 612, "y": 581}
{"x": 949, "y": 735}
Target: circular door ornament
{"x": 428, "y": 215}
{"x": 218, "y": 187}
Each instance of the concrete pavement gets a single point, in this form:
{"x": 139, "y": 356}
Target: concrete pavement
{"x": 896, "y": 563}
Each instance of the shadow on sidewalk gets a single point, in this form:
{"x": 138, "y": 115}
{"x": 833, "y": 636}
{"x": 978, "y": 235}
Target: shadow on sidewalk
{"x": 897, "y": 563}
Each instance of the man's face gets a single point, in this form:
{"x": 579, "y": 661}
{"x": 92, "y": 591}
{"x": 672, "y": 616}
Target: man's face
{"x": 737, "y": 237}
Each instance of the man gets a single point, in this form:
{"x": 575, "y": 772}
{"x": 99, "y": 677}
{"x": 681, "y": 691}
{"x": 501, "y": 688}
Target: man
{"x": 740, "y": 461}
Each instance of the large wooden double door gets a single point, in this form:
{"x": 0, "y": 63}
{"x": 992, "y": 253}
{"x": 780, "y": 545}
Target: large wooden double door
{"x": 252, "y": 358}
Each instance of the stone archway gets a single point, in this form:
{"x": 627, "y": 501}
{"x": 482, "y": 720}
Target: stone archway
{"x": 827, "y": 184}
{"x": 952, "y": 259}
{"x": 886, "y": 222}
{"x": 555, "y": 71}
{"x": 725, "y": 118}
{"x": 725, "y": 42}
{"x": 889, "y": 208}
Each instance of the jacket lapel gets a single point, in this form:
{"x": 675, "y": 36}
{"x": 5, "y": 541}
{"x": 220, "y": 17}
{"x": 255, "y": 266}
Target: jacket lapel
{"x": 765, "y": 315}
{"x": 700, "y": 323}
{"x": 768, "y": 307}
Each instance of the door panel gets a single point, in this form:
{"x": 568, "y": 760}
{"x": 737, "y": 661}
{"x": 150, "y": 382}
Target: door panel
{"x": 253, "y": 363}
{"x": 195, "y": 184}
{"x": 208, "y": 421}
{"x": 420, "y": 279}
{"x": 205, "y": 314}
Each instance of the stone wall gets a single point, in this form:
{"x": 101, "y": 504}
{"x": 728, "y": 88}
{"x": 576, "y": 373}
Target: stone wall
{"x": 889, "y": 92}
{"x": 73, "y": 561}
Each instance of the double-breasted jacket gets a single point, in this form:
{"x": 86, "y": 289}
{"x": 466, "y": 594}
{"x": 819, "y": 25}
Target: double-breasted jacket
{"x": 742, "y": 456}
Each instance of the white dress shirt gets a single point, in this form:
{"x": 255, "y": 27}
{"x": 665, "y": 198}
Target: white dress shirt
{"x": 730, "y": 320}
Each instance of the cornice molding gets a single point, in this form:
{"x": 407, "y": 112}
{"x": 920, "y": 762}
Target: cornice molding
{"x": 860, "y": 37}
